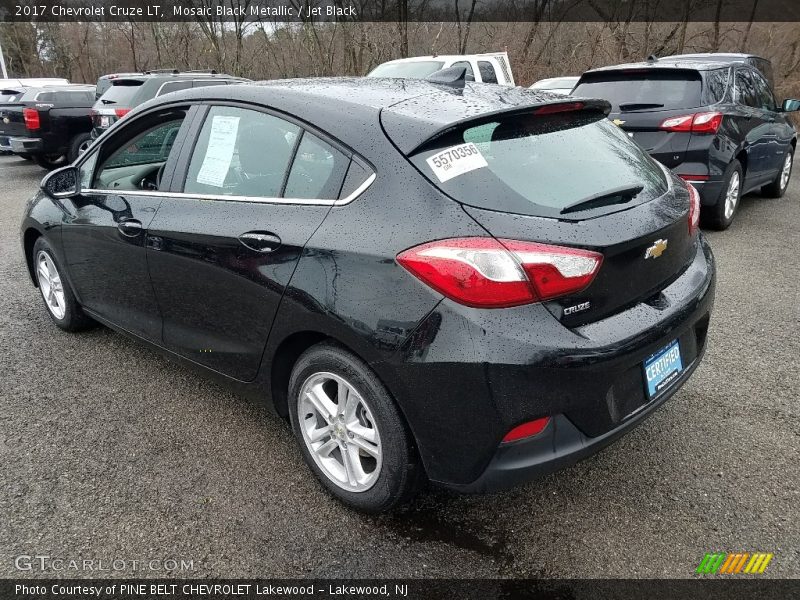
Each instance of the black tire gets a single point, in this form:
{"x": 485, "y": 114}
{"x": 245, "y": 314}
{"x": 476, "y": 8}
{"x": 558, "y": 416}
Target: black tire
{"x": 713, "y": 216}
{"x": 73, "y": 319}
{"x": 78, "y": 145}
{"x": 25, "y": 156}
{"x": 400, "y": 474}
{"x": 50, "y": 161}
{"x": 777, "y": 188}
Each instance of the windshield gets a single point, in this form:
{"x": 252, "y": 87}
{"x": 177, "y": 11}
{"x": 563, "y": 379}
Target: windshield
{"x": 543, "y": 166}
{"x": 643, "y": 90}
{"x": 413, "y": 70}
{"x": 121, "y": 92}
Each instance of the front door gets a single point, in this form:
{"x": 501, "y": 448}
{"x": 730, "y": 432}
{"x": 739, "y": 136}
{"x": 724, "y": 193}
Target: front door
{"x": 224, "y": 244}
{"x": 104, "y": 227}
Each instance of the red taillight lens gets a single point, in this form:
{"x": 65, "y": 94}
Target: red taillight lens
{"x": 705, "y": 122}
{"x": 526, "y": 430}
{"x": 31, "y": 117}
{"x": 694, "y": 209}
{"x": 687, "y": 177}
{"x": 489, "y": 273}
{"x": 121, "y": 112}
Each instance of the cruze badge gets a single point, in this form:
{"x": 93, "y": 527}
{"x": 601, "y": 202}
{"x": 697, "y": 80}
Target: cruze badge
{"x": 656, "y": 250}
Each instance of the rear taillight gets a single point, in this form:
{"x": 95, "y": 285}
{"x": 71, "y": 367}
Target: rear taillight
{"x": 704, "y": 122}
{"x": 489, "y": 273}
{"x": 694, "y": 209}
{"x": 31, "y": 116}
{"x": 526, "y": 430}
{"x": 121, "y": 112}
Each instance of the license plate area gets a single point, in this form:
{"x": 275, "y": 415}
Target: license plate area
{"x": 662, "y": 368}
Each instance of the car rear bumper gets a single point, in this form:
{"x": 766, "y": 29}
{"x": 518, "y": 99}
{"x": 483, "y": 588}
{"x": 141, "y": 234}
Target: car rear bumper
{"x": 5, "y": 144}
{"x": 709, "y": 191}
{"x": 26, "y": 145}
{"x": 472, "y": 376}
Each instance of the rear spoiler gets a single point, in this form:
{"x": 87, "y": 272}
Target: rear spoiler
{"x": 603, "y": 107}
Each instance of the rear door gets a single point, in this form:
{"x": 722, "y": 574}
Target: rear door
{"x": 641, "y": 99}
{"x": 756, "y": 127}
{"x": 224, "y": 243}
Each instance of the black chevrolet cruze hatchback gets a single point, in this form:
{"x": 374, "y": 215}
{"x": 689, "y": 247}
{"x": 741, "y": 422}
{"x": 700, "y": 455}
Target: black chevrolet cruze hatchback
{"x": 467, "y": 285}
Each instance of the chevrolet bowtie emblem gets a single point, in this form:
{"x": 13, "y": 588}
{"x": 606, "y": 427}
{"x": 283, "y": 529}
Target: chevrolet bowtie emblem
{"x": 617, "y": 122}
{"x": 656, "y": 250}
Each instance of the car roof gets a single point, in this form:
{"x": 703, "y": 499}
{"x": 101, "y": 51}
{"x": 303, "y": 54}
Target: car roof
{"x": 696, "y": 62}
{"x": 179, "y": 75}
{"x": 442, "y": 57}
{"x": 348, "y": 108}
{"x": 71, "y": 87}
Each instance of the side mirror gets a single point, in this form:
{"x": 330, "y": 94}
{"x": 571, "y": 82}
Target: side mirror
{"x": 790, "y": 105}
{"x": 62, "y": 183}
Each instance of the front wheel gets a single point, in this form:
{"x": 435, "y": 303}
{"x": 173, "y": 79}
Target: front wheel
{"x": 780, "y": 184}
{"x": 720, "y": 215}
{"x": 350, "y": 431}
{"x": 58, "y": 298}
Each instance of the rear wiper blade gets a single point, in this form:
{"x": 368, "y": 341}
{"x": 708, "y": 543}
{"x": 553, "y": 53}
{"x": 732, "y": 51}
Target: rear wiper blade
{"x": 619, "y": 195}
{"x": 108, "y": 101}
{"x": 639, "y": 106}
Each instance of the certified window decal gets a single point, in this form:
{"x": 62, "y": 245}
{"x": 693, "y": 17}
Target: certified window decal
{"x": 456, "y": 160}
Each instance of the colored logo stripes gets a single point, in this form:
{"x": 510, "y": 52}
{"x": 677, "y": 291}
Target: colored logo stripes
{"x": 734, "y": 562}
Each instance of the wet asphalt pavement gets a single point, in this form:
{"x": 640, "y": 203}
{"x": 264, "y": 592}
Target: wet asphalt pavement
{"x": 109, "y": 451}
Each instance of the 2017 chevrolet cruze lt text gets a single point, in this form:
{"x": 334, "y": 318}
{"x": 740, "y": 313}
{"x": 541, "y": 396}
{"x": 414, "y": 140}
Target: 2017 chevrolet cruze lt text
{"x": 463, "y": 284}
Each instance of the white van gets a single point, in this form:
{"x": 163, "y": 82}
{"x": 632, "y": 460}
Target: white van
{"x": 492, "y": 67}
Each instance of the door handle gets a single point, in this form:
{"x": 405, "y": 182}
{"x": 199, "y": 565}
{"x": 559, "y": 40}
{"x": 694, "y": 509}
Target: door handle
{"x": 260, "y": 241}
{"x": 130, "y": 228}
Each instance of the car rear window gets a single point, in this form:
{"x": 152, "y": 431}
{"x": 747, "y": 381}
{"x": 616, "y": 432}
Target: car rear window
{"x": 657, "y": 89}
{"x": 414, "y": 70}
{"x": 122, "y": 92}
{"x": 9, "y": 96}
{"x": 541, "y": 165}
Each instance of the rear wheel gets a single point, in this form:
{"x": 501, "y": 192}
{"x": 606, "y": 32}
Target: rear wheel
{"x": 720, "y": 215}
{"x": 350, "y": 431}
{"x": 779, "y": 185}
{"x": 50, "y": 161}
{"x": 25, "y": 156}
{"x": 78, "y": 146}
{"x": 56, "y": 293}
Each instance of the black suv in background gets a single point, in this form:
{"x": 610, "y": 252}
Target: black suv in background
{"x": 128, "y": 90}
{"x": 711, "y": 119}
{"x": 49, "y": 124}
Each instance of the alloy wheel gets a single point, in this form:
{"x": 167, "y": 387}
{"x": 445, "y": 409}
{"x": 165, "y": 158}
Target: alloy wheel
{"x": 340, "y": 432}
{"x": 786, "y": 172}
{"x": 50, "y": 285}
{"x": 732, "y": 195}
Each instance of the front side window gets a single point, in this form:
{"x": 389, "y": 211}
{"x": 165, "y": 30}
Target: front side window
{"x": 766, "y": 100}
{"x": 241, "y": 152}
{"x": 136, "y": 162}
{"x": 488, "y": 74}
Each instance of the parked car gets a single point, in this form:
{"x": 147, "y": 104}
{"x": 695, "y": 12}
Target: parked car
{"x": 556, "y": 85}
{"x": 714, "y": 122}
{"x": 472, "y": 285}
{"x": 50, "y": 124}
{"x": 127, "y": 91}
{"x": 104, "y": 81}
{"x": 33, "y": 82}
{"x": 492, "y": 67}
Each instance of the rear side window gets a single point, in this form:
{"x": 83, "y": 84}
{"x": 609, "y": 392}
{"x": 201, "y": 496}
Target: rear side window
{"x": 174, "y": 86}
{"x": 541, "y": 165}
{"x": 242, "y": 152}
{"x": 717, "y": 85}
{"x": 643, "y": 89}
{"x": 317, "y": 171}
{"x": 488, "y": 74}
{"x": 207, "y": 83}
